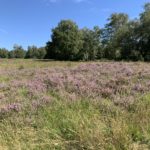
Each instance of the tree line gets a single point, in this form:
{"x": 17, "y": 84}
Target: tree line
{"x": 121, "y": 38}
{"x": 19, "y": 52}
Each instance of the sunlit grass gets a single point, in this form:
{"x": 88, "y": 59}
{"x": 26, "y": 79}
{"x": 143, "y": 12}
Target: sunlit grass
{"x": 59, "y": 121}
{"x": 80, "y": 125}
{"x": 6, "y": 64}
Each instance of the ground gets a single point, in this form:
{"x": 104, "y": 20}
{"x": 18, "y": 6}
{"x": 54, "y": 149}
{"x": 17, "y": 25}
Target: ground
{"x": 74, "y": 105}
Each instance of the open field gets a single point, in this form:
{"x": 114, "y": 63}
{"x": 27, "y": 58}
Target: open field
{"x": 74, "y": 105}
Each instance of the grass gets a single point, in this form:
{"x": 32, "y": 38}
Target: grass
{"x": 8, "y": 64}
{"x": 80, "y": 124}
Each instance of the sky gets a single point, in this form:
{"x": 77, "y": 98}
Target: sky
{"x": 29, "y": 22}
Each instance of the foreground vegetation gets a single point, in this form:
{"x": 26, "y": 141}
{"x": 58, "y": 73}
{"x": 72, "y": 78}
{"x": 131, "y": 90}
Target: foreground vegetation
{"x": 68, "y": 105}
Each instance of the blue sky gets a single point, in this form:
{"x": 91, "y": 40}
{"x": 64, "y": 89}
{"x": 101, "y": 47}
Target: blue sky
{"x": 29, "y": 22}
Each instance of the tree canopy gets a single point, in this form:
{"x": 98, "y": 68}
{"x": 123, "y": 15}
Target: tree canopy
{"x": 66, "y": 41}
{"x": 121, "y": 38}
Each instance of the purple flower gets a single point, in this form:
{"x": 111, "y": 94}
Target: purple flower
{"x": 11, "y": 107}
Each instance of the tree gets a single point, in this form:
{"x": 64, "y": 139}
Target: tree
{"x": 11, "y": 54}
{"x": 128, "y": 41}
{"x": 91, "y": 43}
{"x": 50, "y": 51}
{"x": 36, "y": 53}
{"x": 144, "y": 32}
{"x": 3, "y": 53}
{"x": 32, "y": 52}
{"x": 116, "y": 22}
{"x": 41, "y": 53}
{"x": 17, "y": 52}
{"x": 66, "y": 41}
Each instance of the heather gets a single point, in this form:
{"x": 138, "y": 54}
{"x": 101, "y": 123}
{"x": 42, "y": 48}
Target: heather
{"x": 70, "y": 105}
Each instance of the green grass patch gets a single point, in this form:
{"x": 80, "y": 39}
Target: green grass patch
{"x": 79, "y": 125}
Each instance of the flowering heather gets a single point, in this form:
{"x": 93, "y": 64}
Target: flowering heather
{"x": 113, "y": 81}
{"x": 43, "y": 101}
{"x": 96, "y": 105}
{"x": 16, "y": 107}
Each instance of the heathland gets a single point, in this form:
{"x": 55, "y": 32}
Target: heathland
{"x": 74, "y": 105}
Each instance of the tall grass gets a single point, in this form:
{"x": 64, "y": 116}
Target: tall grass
{"x": 75, "y": 108}
{"x": 82, "y": 124}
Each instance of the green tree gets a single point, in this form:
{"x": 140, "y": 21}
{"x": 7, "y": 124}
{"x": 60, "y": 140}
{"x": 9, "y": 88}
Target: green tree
{"x": 144, "y": 32}
{"x": 66, "y": 41}
{"x": 3, "y": 53}
{"x": 41, "y": 53}
{"x": 50, "y": 51}
{"x": 17, "y": 52}
{"x": 32, "y": 52}
{"x": 11, "y": 54}
{"x": 116, "y": 22}
{"x": 36, "y": 53}
{"x": 128, "y": 41}
{"x": 91, "y": 43}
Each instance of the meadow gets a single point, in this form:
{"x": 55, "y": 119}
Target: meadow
{"x": 74, "y": 105}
